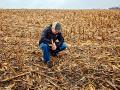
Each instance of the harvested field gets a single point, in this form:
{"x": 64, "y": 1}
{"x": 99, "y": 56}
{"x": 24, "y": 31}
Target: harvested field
{"x": 92, "y": 61}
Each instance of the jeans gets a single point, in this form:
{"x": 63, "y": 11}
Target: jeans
{"x": 47, "y": 50}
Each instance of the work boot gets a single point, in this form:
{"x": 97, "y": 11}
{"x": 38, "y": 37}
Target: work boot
{"x": 54, "y": 54}
{"x": 49, "y": 64}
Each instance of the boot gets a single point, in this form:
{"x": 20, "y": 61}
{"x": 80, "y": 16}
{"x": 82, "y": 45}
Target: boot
{"x": 49, "y": 64}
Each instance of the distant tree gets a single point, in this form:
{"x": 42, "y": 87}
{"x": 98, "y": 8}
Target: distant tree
{"x": 115, "y": 7}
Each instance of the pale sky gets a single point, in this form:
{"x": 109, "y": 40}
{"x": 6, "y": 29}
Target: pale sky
{"x": 59, "y": 4}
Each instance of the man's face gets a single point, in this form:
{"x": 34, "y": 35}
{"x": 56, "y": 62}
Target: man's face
{"x": 54, "y": 31}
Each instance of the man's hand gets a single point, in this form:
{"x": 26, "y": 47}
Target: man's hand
{"x": 53, "y": 46}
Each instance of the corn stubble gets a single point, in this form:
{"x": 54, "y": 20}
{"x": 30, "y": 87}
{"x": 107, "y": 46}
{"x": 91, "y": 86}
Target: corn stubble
{"x": 92, "y": 61}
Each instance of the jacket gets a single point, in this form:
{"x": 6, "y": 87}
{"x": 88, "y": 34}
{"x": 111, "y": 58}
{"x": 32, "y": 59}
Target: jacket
{"x": 47, "y": 36}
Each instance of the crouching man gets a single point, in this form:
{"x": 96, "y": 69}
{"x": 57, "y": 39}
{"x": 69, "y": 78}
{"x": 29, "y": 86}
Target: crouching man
{"x": 51, "y": 42}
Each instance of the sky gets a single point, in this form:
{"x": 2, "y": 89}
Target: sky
{"x": 59, "y": 4}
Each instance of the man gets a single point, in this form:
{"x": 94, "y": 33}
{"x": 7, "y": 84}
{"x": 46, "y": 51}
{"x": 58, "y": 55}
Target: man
{"x": 51, "y": 42}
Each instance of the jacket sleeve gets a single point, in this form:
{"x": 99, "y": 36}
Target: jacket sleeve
{"x": 61, "y": 40}
{"x": 44, "y": 36}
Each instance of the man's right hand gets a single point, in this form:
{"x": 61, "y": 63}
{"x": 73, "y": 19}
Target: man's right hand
{"x": 53, "y": 46}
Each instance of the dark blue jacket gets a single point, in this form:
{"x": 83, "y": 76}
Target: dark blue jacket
{"x": 47, "y": 36}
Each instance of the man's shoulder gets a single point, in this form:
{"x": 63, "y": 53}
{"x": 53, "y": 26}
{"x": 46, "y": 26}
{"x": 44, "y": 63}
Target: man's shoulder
{"x": 47, "y": 27}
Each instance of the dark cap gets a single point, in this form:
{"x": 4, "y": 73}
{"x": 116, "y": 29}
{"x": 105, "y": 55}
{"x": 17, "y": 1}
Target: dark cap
{"x": 56, "y": 26}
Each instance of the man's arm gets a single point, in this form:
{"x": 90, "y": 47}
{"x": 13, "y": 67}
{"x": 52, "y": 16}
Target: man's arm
{"x": 61, "y": 40}
{"x": 44, "y": 36}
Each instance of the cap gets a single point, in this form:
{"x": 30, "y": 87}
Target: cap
{"x": 56, "y": 26}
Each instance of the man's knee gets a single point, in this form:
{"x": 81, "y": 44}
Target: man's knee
{"x": 64, "y": 46}
{"x": 43, "y": 46}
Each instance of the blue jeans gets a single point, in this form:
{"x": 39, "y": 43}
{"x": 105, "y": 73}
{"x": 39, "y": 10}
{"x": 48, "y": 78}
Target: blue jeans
{"x": 47, "y": 50}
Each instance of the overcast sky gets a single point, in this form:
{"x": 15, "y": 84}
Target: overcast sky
{"x": 59, "y": 4}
